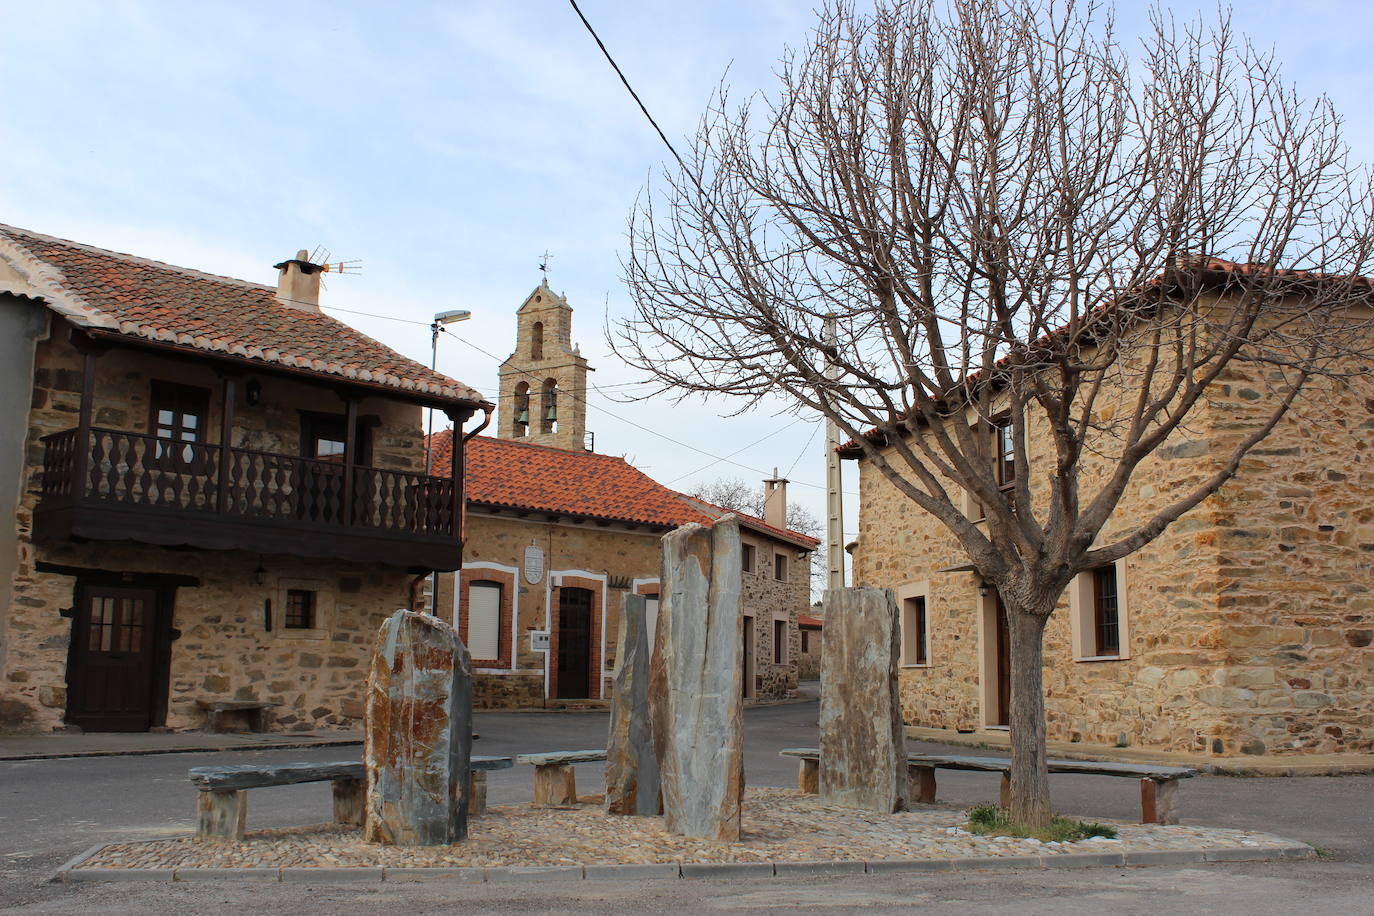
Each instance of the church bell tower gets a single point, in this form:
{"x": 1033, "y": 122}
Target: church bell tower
{"x": 543, "y": 396}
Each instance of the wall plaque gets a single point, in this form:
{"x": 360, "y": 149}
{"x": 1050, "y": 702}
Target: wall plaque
{"x": 534, "y": 565}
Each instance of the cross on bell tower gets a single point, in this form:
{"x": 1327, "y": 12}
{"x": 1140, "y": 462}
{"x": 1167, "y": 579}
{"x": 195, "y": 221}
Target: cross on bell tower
{"x": 543, "y": 396}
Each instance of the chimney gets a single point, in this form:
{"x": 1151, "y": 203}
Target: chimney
{"x": 775, "y": 501}
{"x": 298, "y": 284}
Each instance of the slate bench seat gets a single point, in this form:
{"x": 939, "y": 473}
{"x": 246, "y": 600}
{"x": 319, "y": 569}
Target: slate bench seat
{"x": 253, "y": 711}
{"x": 555, "y": 781}
{"x": 1158, "y": 784}
{"x": 222, "y": 804}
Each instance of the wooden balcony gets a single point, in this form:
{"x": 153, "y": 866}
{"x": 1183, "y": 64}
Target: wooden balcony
{"x": 127, "y": 486}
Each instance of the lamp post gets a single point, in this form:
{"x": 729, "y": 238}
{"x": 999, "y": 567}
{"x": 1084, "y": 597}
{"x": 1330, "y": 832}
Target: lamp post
{"x": 435, "y": 328}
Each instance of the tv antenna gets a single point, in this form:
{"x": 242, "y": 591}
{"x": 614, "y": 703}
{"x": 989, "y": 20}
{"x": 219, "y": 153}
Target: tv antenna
{"x": 320, "y": 256}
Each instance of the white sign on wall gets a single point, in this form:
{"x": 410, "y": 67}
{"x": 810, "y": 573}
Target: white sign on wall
{"x": 539, "y": 640}
{"x": 534, "y": 565}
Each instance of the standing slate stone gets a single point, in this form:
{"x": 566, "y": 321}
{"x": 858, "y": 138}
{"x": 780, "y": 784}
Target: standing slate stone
{"x": 631, "y": 760}
{"x": 863, "y": 746}
{"x": 695, "y": 683}
{"x": 418, "y": 733}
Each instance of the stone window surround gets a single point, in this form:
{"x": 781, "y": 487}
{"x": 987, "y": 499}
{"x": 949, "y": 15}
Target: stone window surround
{"x": 508, "y": 577}
{"x": 985, "y": 613}
{"x": 1083, "y": 622}
{"x": 324, "y": 608}
{"x": 970, "y": 507}
{"x": 597, "y": 583}
{"x": 785, "y": 619}
{"x": 902, "y": 593}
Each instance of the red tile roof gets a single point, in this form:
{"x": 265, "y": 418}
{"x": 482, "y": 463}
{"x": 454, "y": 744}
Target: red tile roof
{"x": 520, "y": 475}
{"x": 806, "y": 620}
{"x": 124, "y": 294}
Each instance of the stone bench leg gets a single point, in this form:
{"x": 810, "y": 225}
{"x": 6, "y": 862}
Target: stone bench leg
{"x": 555, "y": 784}
{"x": 1004, "y": 796}
{"x": 809, "y": 776}
{"x": 221, "y": 814}
{"x": 477, "y": 793}
{"x": 921, "y": 783}
{"x": 350, "y": 801}
{"x": 1159, "y": 801}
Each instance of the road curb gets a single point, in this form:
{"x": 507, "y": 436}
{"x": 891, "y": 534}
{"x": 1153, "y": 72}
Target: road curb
{"x": 72, "y": 871}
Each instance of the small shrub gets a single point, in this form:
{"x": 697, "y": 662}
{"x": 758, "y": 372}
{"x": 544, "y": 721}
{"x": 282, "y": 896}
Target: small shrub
{"x": 994, "y": 820}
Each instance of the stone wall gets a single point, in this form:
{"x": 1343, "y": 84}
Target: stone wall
{"x": 224, "y": 650}
{"x": 809, "y": 656}
{"x": 1246, "y": 626}
{"x": 618, "y": 558}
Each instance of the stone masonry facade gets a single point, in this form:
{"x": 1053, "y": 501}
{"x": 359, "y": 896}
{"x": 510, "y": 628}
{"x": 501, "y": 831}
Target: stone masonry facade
{"x": 1246, "y": 627}
{"x": 610, "y": 561}
{"x": 222, "y": 647}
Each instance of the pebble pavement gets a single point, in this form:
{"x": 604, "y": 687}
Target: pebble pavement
{"x": 780, "y": 825}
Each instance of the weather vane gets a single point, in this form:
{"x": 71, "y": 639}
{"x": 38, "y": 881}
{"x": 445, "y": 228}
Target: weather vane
{"x": 544, "y": 265}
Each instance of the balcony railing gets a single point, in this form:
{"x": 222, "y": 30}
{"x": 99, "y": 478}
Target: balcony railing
{"x": 151, "y": 475}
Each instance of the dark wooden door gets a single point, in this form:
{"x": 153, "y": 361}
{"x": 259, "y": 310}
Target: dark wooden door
{"x": 1003, "y": 666}
{"x": 113, "y": 659}
{"x": 574, "y": 643}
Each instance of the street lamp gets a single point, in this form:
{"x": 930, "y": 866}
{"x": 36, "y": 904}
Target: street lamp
{"x": 436, "y": 326}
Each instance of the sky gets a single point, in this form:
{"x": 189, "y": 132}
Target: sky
{"x": 447, "y": 146}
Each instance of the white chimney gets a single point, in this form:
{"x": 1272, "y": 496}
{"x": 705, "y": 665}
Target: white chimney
{"x": 775, "y": 501}
{"x": 298, "y": 283}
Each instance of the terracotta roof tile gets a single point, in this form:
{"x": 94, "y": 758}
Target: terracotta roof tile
{"x": 806, "y": 620}
{"x": 125, "y": 294}
{"x": 521, "y": 475}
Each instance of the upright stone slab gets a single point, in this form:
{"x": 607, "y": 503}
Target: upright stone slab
{"x": 695, "y": 683}
{"x": 863, "y": 746}
{"x": 631, "y": 759}
{"x": 418, "y": 733}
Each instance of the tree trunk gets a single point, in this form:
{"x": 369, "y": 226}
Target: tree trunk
{"x": 1030, "y": 778}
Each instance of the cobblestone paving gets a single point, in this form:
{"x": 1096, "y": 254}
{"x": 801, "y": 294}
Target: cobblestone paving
{"x": 780, "y": 825}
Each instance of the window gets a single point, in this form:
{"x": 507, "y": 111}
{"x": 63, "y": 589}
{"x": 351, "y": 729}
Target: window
{"x": 914, "y": 632}
{"x": 806, "y": 641}
{"x": 1106, "y": 617}
{"x": 537, "y": 341}
{"x": 179, "y": 413}
{"x": 780, "y": 642}
{"x": 1006, "y": 453}
{"x": 651, "y": 617}
{"x": 780, "y": 567}
{"x": 747, "y": 557}
{"x": 300, "y": 609}
{"x": 484, "y": 619}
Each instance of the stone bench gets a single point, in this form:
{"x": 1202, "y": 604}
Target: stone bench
{"x": 555, "y": 781}
{"x": 222, "y": 805}
{"x": 253, "y": 711}
{"x": 1158, "y": 784}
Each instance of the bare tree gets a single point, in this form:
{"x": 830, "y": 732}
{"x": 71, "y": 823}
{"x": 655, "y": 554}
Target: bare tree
{"x": 1017, "y": 225}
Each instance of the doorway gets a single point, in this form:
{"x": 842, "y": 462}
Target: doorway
{"x": 747, "y": 680}
{"x": 574, "y": 643}
{"x": 1003, "y": 706}
{"x": 112, "y": 671}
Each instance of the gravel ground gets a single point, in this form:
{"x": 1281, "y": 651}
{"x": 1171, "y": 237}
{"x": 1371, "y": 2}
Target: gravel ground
{"x": 780, "y": 825}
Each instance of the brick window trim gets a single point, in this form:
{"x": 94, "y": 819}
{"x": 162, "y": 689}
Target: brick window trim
{"x": 508, "y": 586}
{"x": 596, "y": 675}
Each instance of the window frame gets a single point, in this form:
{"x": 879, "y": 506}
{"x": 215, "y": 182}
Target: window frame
{"x": 323, "y": 608}
{"x": 780, "y": 641}
{"x": 1083, "y": 615}
{"x": 747, "y": 557}
{"x": 1101, "y": 599}
{"x": 779, "y": 566}
{"x": 181, "y": 400}
{"x": 905, "y": 594}
{"x": 500, "y": 616}
{"x": 307, "y": 616}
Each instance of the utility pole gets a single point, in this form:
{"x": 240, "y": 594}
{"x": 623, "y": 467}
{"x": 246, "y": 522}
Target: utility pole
{"x": 834, "y": 501}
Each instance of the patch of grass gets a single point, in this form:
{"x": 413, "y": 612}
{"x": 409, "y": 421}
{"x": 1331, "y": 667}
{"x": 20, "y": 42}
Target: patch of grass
{"x": 994, "y": 820}
{"x": 1323, "y": 853}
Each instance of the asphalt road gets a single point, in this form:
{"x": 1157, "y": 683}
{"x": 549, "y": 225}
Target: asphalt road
{"x": 52, "y": 809}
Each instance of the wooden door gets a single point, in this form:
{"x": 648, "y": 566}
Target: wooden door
{"x": 1003, "y": 666}
{"x": 574, "y": 643}
{"x": 113, "y": 664}
{"x": 320, "y": 484}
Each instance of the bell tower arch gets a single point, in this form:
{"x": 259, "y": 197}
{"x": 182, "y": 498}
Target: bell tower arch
{"x": 543, "y": 396}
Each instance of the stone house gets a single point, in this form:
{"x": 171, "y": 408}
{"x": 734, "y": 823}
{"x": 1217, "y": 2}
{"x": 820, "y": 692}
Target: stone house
{"x": 809, "y": 651}
{"x": 218, "y": 491}
{"x": 1246, "y": 628}
{"x": 558, "y": 534}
